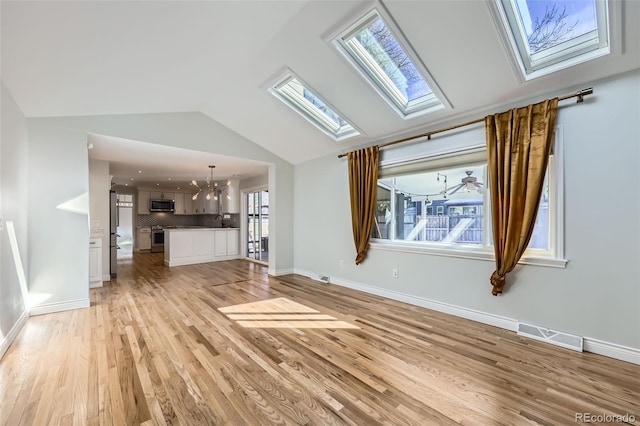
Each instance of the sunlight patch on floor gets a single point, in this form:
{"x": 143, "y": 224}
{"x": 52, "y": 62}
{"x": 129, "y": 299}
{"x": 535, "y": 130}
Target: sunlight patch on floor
{"x": 280, "y": 313}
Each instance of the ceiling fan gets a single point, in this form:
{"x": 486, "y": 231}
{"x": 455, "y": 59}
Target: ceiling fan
{"x": 469, "y": 183}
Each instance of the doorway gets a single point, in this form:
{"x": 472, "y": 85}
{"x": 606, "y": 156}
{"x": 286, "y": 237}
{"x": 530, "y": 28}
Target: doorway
{"x": 257, "y": 237}
{"x": 124, "y": 231}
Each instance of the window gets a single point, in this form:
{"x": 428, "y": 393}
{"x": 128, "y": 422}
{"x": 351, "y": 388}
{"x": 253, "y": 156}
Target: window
{"x": 440, "y": 205}
{"x": 297, "y": 95}
{"x": 553, "y": 34}
{"x": 375, "y": 48}
{"x": 124, "y": 200}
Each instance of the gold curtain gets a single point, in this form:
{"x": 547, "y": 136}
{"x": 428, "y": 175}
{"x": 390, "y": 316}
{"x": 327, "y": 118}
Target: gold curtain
{"x": 519, "y": 143}
{"x": 363, "y": 186}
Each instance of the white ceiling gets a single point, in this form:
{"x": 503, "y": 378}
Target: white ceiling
{"x": 218, "y": 57}
{"x": 168, "y": 167}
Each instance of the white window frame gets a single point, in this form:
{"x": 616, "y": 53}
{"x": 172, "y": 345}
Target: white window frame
{"x": 377, "y": 78}
{"x": 310, "y": 112}
{"x": 554, "y": 257}
{"x": 565, "y": 55}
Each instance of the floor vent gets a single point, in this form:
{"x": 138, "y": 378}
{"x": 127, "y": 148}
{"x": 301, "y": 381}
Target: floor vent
{"x": 323, "y": 278}
{"x": 554, "y": 337}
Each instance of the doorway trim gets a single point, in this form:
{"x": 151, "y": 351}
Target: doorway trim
{"x": 244, "y": 218}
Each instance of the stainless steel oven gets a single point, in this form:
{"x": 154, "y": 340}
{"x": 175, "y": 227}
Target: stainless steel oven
{"x": 157, "y": 239}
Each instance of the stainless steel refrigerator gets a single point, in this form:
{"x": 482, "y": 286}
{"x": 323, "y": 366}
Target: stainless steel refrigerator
{"x": 113, "y": 233}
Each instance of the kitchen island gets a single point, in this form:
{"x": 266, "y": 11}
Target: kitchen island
{"x": 187, "y": 246}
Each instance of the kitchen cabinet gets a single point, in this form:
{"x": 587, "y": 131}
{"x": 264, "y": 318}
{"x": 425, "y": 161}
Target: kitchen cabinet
{"x": 188, "y": 204}
{"x": 226, "y": 243}
{"x": 95, "y": 262}
{"x": 204, "y": 206}
{"x": 233, "y": 242}
{"x": 179, "y": 203}
{"x": 143, "y": 202}
{"x": 184, "y": 203}
{"x": 156, "y": 195}
{"x": 144, "y": 238}
{"x": 191, "y": 246}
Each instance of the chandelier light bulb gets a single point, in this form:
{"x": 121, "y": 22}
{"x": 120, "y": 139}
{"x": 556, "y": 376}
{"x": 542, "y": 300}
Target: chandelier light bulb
{"x": 208, "y": 197}
{"x": 195, "y": 196}
{"x": 215, "y": 197}
{"x": 228, "y": 197}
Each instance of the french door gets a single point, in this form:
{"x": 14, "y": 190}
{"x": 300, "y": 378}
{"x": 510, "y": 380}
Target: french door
{"x": 257, "y": 205}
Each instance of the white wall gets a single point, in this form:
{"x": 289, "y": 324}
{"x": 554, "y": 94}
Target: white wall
{"x": 58, "y": 218}
{"x": 597, "y": 295}
{"x": 254, "y": 182}
{"x": 13, "y": 207}
{"x": 99, "y": 210}
{"x": 63, "y": 141}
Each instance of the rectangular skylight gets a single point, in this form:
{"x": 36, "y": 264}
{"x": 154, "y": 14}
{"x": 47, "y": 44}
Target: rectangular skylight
{"x": 298, "y": 96}
{"x": 378, "y": 52}
{"x": 554, "y": 34}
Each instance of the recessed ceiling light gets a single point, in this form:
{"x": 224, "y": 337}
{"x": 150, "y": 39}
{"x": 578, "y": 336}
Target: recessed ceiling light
{"x": 131, "y": 178}
{"x": 169, "y": 178}
{"x": 139, "y": 171}
{"x": 157, "y": 184}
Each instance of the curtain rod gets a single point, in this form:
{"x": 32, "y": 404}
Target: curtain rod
{"x": 579, "y": 94}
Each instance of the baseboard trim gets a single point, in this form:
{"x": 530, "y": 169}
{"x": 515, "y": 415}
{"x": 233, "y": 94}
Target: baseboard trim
{"x": 478, "y": 316}
{"x": 106, "y": 277}
{"x": 13, "y": 333}
{"x": 280, "y": 272}
{"x": 595, "y": 346}
{"x": 95, "y": 284}
{"x": 49, "y": 308}
{"x": 612, "y": 350}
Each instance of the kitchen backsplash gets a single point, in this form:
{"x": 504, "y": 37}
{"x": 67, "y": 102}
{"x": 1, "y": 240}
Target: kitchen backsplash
{"x": 170, "y": 219}
{"x": 233, "y": 221}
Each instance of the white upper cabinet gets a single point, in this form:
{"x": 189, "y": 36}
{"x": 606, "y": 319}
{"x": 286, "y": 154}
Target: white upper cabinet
{"x": 143, "y": 202}
{"x": 157, "y": 195}
{"x": 179, "y": 200}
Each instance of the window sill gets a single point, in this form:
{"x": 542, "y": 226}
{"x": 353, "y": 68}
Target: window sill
{"x": 467, "y": 252}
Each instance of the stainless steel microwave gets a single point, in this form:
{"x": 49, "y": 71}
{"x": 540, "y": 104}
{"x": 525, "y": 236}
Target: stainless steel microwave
{"x": 162, "y": 206}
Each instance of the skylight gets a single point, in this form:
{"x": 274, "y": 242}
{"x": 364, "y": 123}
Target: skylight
{"x": 553, "y": 34}
{"x": 379, "y": 53}
{"x": 298, "y": 96}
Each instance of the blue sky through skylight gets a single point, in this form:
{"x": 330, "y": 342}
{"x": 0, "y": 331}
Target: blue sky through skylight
{"x": 385, "y": 50}
{"x": 580, "y": 16}
{"x": 295, "y": 94}
{"x": 322, "y": 107}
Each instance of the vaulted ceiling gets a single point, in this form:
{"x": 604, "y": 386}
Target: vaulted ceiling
{"x": 219, "y": 57}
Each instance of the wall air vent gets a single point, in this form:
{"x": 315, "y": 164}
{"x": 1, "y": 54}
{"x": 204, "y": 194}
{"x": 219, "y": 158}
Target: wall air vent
{"x": 554, "y": 337}
{"x": 322, "y": 278}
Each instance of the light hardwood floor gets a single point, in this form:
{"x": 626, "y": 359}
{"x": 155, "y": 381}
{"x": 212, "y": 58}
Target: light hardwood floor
{"x": 154, "y": 348}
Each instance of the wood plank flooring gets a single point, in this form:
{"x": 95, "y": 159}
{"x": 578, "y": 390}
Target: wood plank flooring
{"x": 155, "y": 348}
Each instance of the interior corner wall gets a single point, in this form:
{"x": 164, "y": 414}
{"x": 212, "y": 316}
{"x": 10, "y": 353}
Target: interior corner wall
{"x": 280, "y": 197}
{"x": 99, "y": 209}
{"x": 254, "y": 182}
{"x": 596, "y": 296}
{"x": 13, "y": 208}
{"x": 58, "y": 218}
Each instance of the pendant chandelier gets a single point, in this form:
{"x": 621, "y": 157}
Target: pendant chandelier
{"x": 212, "y": 188}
